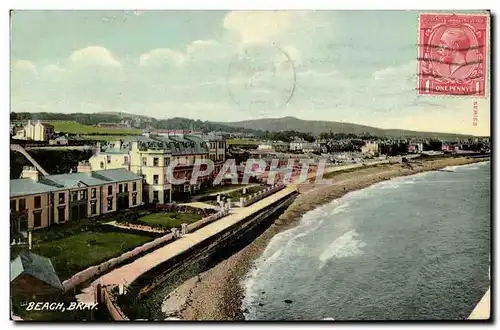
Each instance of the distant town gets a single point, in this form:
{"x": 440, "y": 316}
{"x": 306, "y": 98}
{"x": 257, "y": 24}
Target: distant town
{"x": 65, "y": 172}
{"x": 142, "y": 156}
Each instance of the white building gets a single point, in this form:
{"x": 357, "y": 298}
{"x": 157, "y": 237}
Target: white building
{"x": 150, "y": 157}
{"x": 304, "y": 146}
{"x": 265, "y": 147}
{"x": 371, "y": 148}
{"x": 36, "y": 132}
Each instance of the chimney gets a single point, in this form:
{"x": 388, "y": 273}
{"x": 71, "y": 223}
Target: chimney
{"x": 98, "y": 149}
{"x": 84, "y": 167}
{"x": 30, "y": 172}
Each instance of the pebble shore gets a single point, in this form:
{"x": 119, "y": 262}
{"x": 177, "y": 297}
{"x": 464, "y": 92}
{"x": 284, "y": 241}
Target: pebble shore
{"x": 217, "y": 293}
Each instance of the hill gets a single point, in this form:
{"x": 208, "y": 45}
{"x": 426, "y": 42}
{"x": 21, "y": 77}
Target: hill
{"x": 258, "y": 127}
{"x": 137, "y": 122}
{"x": 316, "y": 127}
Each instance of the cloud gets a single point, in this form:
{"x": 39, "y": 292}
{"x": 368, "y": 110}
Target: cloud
{"x": 94, "y": 56}
{"x": 261, "y": 26}
{"x": 53, "y": 71}
{"x": 162, "y": 56}
{"x": 23, "y": 66}
{"x": 207, "y": 50}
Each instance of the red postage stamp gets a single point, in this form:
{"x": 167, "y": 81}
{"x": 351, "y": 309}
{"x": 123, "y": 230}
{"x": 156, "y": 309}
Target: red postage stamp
{"x": 452, "y": 54}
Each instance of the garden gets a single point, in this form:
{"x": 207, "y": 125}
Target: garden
{"x": 166, "y": 217}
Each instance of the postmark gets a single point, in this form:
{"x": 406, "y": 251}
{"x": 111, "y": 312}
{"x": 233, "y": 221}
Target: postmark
{"x": 453, "y": 54}
{"x": 261, "y": 78}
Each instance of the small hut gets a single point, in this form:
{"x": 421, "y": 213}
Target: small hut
{"x": 34, "y": 275}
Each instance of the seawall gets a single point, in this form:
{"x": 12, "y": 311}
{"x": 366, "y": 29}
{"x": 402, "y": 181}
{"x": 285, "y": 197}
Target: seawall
{"x": 146, "y": 294}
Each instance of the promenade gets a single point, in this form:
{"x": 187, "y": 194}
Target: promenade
{"x": 130, "y": 272}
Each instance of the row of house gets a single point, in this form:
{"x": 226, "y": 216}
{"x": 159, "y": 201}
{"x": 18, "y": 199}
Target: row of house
{"x": 297, "y": 145}
{"x": 44, "y": 200}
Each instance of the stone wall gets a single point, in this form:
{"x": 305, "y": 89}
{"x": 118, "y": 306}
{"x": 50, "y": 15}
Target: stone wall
{"x": 114, "y": 311}
{"x": 93, "y": 271}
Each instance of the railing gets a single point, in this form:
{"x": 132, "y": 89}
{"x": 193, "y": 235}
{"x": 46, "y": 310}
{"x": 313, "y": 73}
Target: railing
{"x": 261, "y": 194}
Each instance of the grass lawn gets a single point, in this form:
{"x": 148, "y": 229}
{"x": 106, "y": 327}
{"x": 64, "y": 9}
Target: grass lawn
{"x": 74, "y": 253}
{"x": 169, "y": 220}
{"x": 76, "y": 245}
{"x": 74, "y": 127}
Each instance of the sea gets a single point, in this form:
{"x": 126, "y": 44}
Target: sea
{"x": 411, "y": 248}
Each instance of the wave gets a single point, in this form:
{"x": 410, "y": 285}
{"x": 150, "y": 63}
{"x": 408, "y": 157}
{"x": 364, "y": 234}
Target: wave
{"x": 474, "y": 166}
{"x": 280, "y": 243}
{"x": 341, "y": 208}
{"x": 347, "y": 245}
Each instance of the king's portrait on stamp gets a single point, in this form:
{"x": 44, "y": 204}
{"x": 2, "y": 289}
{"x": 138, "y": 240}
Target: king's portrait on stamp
{"x": 452, "y": 54}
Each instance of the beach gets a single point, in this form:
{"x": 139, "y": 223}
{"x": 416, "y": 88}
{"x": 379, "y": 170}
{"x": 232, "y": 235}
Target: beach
{"x": 216, "y": 294}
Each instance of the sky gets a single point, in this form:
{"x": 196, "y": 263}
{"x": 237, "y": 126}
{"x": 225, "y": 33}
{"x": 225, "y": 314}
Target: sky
{"x": 347, "y": 66}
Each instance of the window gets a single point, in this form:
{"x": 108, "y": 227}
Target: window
{"x": 144, "y": 161}
{"x": 155, "y": 161}
{"x": 93, "y": 208}
{"x": 93, "y": 193}
{"x": 134, "y": 186}
{"x": 82, "y": 195}
{"x": 120, "y": 188}
{"x": 110, "y": 204}
{"x": 108, "y": 159}
{"x": 155, "y": 197}
{"x": 13, "y": 205}
{"x": 155, "y": 179}
{"x": 62, "y": 197}
{"x": 125, "y": 159}
{"x": 167, "y": 161}
{"x": 37, "y": 219}
{"x": 74, "y": 196}
{"x": 38, "y": 202}
{"x": 134, "y": 199}
{"x": 61, "y": 214}
{"x": 110, "y": 190}
{"x": 102, "y": 164}
{"x": 125, "y": 186}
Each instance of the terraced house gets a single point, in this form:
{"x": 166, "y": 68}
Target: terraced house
{"x": 150, "y": 155}
{"x": 49, "y": 199}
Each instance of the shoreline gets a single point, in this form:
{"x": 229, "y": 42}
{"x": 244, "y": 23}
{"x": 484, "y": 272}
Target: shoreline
{"x": 216, "y": 294}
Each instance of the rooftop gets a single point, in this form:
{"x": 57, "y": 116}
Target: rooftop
{"x": 35, "y": 266}
{"x": 174, "y": 144}
{"x": 49, "y": 183}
